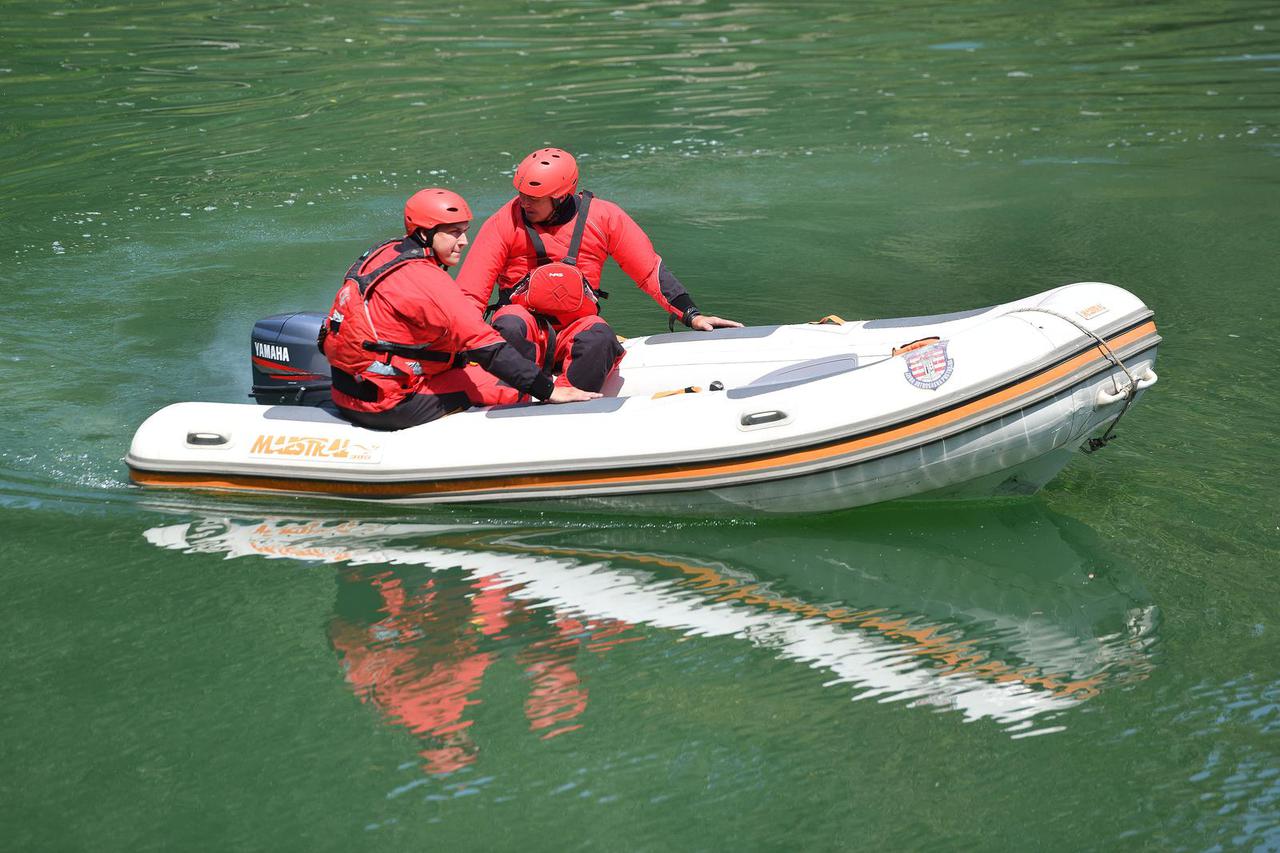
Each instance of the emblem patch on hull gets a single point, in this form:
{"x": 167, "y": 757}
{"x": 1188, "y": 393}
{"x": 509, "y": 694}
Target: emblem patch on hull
{"x": 930, "y": 367}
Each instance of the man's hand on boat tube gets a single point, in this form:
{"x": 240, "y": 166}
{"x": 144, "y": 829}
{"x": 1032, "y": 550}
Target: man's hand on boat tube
{"x": 569, "y": 394}
{"x": 705, "y": 323}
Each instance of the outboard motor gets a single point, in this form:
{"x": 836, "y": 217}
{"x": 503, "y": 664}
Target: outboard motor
{"x": 288, "y": 367}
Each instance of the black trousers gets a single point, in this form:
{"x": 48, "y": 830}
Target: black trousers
{"x": 411, "y": 411}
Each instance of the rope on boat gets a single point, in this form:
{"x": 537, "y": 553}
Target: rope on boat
{"x": 1130, "y": 391}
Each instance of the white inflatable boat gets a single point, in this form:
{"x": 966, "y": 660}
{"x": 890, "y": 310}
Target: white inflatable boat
{"x": 777, "y": 419}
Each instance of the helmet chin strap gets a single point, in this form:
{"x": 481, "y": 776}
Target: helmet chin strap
{"x": 425, "y": 238}
{"x": 563, "y": 209}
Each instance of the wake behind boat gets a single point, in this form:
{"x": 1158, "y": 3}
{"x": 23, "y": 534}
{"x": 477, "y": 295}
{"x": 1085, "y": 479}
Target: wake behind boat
{"x": 777, "y": 419}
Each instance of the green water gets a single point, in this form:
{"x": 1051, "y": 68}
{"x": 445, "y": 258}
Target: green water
{"x": 1093, "y": 668}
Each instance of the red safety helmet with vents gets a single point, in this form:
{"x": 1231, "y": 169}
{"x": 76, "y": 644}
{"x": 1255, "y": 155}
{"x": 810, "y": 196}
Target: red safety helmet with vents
{"x": 433, "y": 207}
{"x": 547, "y": 172}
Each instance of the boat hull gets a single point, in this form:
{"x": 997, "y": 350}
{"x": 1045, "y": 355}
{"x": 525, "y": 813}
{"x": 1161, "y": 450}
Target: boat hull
{"x": 846, "y": 429}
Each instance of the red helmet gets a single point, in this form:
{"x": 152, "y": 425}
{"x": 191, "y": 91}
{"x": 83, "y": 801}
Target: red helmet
{"x": 547, "y": 172}
{"x": 433, "y": 207}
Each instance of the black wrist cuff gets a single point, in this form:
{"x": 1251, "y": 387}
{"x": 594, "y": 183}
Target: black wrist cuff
{"x": 682, "y": 302}
{"x": 689, "y": 313}
{"x": 541, "y": 387}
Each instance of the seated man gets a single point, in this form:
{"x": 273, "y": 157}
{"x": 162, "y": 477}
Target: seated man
{"x": 405, "y": 346}
{"x": 545, "y": 249}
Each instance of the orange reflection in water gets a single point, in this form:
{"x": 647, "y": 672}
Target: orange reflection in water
{"x": 422, "y": 654}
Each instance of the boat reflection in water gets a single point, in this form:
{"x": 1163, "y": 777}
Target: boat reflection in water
{"x": 1011, "y": 614}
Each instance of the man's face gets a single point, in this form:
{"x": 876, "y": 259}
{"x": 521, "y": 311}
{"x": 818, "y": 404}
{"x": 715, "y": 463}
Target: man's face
{"x": 449, "y": 241}
{"x": 537, "y": 209}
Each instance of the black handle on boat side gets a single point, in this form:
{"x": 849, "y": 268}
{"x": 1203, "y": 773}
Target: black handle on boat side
{"x": 757, "y": 418}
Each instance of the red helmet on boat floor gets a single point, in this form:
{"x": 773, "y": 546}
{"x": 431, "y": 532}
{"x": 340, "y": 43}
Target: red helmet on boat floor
{"x": 433, "y": 207}
{"x": 547, "y": 172}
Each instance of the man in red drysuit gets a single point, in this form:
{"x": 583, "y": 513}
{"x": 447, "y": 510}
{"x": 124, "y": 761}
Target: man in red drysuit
{"x": 545, "y": 250}
{"x": 405, "y": 346}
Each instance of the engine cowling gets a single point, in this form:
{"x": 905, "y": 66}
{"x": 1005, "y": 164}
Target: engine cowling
{"x": 288, "y": 367}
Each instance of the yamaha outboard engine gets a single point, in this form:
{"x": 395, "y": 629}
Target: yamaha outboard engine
{"x": 288, "y": 367}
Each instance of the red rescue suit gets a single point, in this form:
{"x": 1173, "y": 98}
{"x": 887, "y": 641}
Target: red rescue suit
{"x": 503, "y": 253}
{"x": 399, "y": 337}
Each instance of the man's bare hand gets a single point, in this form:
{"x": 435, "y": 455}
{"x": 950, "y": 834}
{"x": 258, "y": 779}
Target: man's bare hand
{"x": 569, "y": 394}
{"x": 705, "y": 323}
